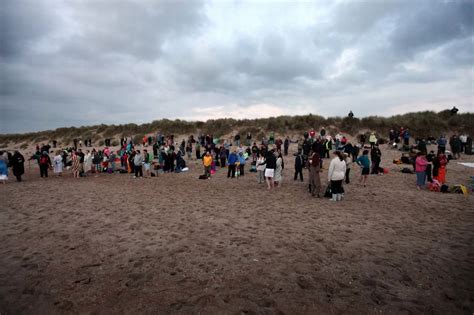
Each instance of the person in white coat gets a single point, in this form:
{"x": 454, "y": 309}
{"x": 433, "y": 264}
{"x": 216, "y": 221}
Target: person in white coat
{"x": 87, "y": 162}
{"x": 58, "y": 164}
{"x": 336, "y": 174}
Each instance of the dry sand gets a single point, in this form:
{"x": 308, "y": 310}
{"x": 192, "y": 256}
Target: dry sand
{"x": 176, "y": 244}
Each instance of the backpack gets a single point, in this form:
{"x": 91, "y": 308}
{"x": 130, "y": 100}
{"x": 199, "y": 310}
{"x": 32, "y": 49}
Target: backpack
{"x": 43, "y": 160}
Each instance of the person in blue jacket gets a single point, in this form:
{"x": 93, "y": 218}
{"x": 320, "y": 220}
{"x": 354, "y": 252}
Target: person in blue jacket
{"x": 231, "y": 161}
{"x": 242, "y": 163}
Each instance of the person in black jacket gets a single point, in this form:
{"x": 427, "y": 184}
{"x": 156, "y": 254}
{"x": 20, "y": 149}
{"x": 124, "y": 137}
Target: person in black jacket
{"x": 299, "y": 162}
{"x": 286, "y": 145}
{"x": 17, "y": 163}
{"x": 270, "y": 168}
{"x": 376, "y": 157}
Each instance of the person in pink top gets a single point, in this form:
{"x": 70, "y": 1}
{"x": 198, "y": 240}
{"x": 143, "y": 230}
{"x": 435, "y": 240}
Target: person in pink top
{"x": 420, "y": 168}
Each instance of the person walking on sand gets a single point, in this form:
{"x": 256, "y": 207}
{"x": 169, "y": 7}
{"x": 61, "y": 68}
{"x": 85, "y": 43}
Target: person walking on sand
{"x": 270, "y": 169}
{"x": 336, "y": 174}
{"x": 207, "y": 162}
{"x": 420, "y": 169}
{"x": 314, "y": 176}
{"x": 138, "y": 162}
{"x": 17, "y": 162}
{"x": 76, "y": 164}
{"x": 364, "y": 162}
{"x": 58, "y": 164}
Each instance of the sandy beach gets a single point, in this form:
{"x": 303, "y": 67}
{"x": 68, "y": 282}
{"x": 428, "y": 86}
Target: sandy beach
{"x": 176, "y": 244}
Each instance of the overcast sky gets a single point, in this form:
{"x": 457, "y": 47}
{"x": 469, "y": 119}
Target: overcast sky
{"x": 73, "y": 63}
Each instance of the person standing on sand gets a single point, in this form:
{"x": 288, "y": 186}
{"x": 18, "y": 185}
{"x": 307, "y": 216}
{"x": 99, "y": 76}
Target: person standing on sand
{"x": 270, "y": 169}
{"x": 232, "y": 161}
{"x": 314, "y": 176}
{"x": 376, "y": 156}
{"x": 58, "y": 164}
{"x": 87, "y": 162}
{"x": 439, "y": 167}
{"x": 286, "y": 145}
{"x": 76, "y": 165}
{"x": 138, "y": 162}
{"x": 44, "y": 164}
{"x": 207, "y": 162}
{"x": 336, "y": 174}
{"x": 3, "y": 166}
{"x": 241, "y": 157}
{"x": 279, "y": 169}
{"x": 372, "y": 140}
{"x": 349, "y": 162}
{"x": 299, "y": 163}
{"x": 364, "y": 162}
{"x": 260, "y": 168}
{"x": 17, "y": 163}
{"x": 147, "y": 159}
{"x": 420, "y": 169}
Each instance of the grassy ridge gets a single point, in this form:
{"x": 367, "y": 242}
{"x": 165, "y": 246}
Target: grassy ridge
{"x": 421, "y": 124}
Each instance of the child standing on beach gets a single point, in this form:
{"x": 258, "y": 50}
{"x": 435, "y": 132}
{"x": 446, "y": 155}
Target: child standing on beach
{"x": 364, "y": 162}
{"x": 420, "y": 169}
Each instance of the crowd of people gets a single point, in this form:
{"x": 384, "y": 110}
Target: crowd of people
{"x": 161, "y": 154}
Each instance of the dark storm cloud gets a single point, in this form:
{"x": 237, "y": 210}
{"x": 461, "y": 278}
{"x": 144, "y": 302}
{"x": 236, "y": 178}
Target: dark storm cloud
{"x": 22, "y": 24}
{"x": 77, "y": 63}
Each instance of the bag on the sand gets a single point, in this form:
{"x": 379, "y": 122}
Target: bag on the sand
{"x": 459, "y": 189}
{"x": 253, "y": 169}
{"x": 406, "y": 170}
{"x": 328, "y": 192}
{"x": 405, "y": 160}
{"x": 202, "y": 177}
{"x": 444, "y": 188}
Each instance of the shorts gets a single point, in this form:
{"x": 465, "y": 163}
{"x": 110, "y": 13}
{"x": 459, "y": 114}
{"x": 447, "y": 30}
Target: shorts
{"x": 269, "y": 172}
{"x": 365, "y": 171}
{"x": 146, "y": 166}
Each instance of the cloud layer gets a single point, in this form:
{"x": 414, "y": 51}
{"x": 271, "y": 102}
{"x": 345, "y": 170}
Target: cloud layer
{"x": 66, "y": 63}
